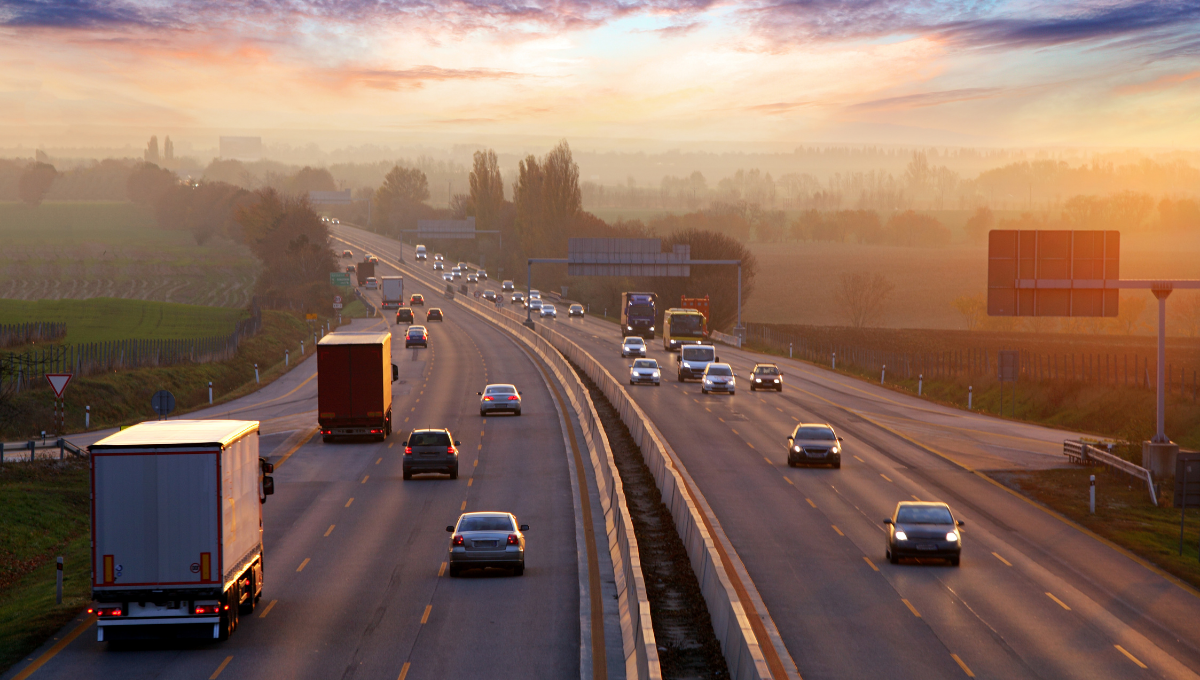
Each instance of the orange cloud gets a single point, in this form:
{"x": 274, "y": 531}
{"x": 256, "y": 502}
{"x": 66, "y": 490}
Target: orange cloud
{"x": 1158, "y": 84}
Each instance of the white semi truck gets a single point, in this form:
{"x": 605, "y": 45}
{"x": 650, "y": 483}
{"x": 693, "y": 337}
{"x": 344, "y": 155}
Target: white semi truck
{"x": 177, "y": 528}
{"x": 392, "y": 290}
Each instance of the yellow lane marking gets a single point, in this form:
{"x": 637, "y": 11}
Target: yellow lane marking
{"x": 962, "y": 666}
{"x": 885, "y": 477}
{"x": 795, "y": 419}
{"x": 779, "y": 409}
{"x": 859, "y": 459}
{"x": 470, "y": 481}
{"x": 303, "y": 564}
{"x": 403, "y": 671}
{"x": 266, "y": 611}
{"x": 837, "y": 530}
{"x": 911, "y": 608}
{"x": 810, "y": 502}
{"x": 58, "y": 647}
{"x": 364, "y": 481}
{"x": 349, "y": 502}
{"x": 868, "y": 559}
{"x": 916, "y": 499}
{"x": 464, "y": 506}
{"x": 441, "y": 569}
{"x": 1006, "y": 562}
{"x": 378, "y": 461}
{"x": 749, "y": 444}
{"x": 1131, "y": 657}
{"x": 481, "y": 432}
{"x": 390, "y": 444}
{"x": 220, "y": 668}
{"x": 296, "y": 447}
{"x": 720, "y": 419}
{"x": 734, "y": 431}
{"x": 1060, "y": 602}
{"x": 476, "y": 463}
{"x": 425, "y": 616}
{"x": 768, "y": 460}
{"x": 329, "y": 530}
{"x": 789, "y": 481}
{"x": 406, "y": 419}
{"x": 479, "y": 448}
{"x": 410, "y": 411}
{"x": 708, "y": 409}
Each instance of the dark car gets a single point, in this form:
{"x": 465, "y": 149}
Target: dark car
{"x": 489, "y": 295}
{"x": 416, "y": 335}
{"x": 814, "y": 444}
{"x": 431, "y": 450}
{"x": 766, "y": 377}
{"x": 405, "y": 315}
{"x": 351, "y": 269}
{"x": 347, "y": 254}
{"x": 434, "y": 314}
{"x": 923, "y": 529}
{"x": 416, "y": 299}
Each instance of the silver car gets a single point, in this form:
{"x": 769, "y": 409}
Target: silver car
{"x": 534, "y": 304}
{"x": 645, "y": 371}
{"x": 487, "y": 539}
{"x": 633, "y": 346}
{"x": 504, "y": 398}
{"x": 518, "y": 297}
{"x": 447, "y": 276}
{"x": 549, "y": 310}
{"x": 472, "y": 278}
{"x": 482, "y": 273}
{"x": 718, "y": 378}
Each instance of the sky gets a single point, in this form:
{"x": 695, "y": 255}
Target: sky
{"x": 1094, "y": 73}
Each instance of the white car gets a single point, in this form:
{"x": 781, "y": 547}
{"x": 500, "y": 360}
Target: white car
{"x": 482, "y": 274}
{"x": 535, "y": 305}
{"x": 447, "y": 276}
{"x": 505, "y": 398}
{"x": 372, "y": 284}
{"x": 645, "y": 371}
{"x": 633, "y": 346}
{"x": 718, "y": 378}
{"x": 535, "y": 294}
{"x": 549, "y": 310}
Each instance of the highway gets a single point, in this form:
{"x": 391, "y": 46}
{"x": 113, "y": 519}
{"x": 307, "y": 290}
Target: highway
{"x": 355, "y": 582}
{"x": 1035, "y": 597}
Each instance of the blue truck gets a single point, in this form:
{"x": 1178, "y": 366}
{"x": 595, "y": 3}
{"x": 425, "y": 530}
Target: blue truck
{"x": 638, "y": 312}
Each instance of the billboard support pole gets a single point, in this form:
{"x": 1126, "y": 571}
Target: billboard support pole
{"x": 1161, "y": 292}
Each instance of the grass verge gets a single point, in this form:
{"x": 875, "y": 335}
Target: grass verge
{"x": 104, "y": 319}
{"x": 46, "y": 514}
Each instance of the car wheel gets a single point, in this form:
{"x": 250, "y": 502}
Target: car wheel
{"x": 837, "y": 465}
{"x": 752, "y": 388}
{"x": 955, "y": 560}
{"x": 680, "y": 377}
{"x": 482, "y": 414}
{"x": 779, "y": 389}
{"x": 518, "y": 411}
{"x": 630, "y": 382}
{"x": 454, "y": 571}
{"x": 408, "y": 474}
{"x": 454, "y": 473}
{"x": 703, "y": 391}
{"x": 891, "y": 558}
{"x": 519, "y": 570}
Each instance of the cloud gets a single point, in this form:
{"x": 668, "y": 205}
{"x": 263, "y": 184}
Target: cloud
{"x": 70, "y": 14}
{"x": 913, "y": 101}
{"x": 1165, "y": 82}
{"x": 395, "y": 79}
{"x": 1166, "y": 19}
{"x": 776, "y": 108}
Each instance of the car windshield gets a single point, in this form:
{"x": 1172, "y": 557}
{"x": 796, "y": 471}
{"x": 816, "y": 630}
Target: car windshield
{"x": 698, "y": 353}
{"x": 485, "y": 524}
{"x": 641, "y": 311}
{"x": 645, "y": 363}
{"x": 923, "y": 514}
{"x": 429, "y": 439}
{"x": 815, "y": 433}
{"x": 502, "y": 389}
{"x": 577, "y": 307}
{"x": 634, "y": 341}
{"x": 766, "y": 370}
{"x": 686, "y": 323}
{"x": 719, "y": 370}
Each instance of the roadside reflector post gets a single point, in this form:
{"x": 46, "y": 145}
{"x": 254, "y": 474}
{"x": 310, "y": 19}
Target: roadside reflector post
{"x": 87, "y": 417}
{"x": 970, "y": 396}
{"x": 58, "y": 586}
{"x": 301, "y": 347}
{"x": 1183, "y": 505}
{"x": 789, "y": 350}
{"x": 256, "y": 373}
{"x": 1092, "y": 494}
{"x": 210, "y": 391}
{"x": 834, "y": 361}
{"x": 920, "y": 383}
{"x": 287, "y": 357}
{"x": 882, "y": 374}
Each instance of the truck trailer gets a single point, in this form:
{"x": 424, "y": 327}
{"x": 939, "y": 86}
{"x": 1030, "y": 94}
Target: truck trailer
{"x": 364, "y": 271}
{"x": 354, "y": 385}
{"x": 392, "y": 290}
{"x": 638, "y": 312}
{"x": 177, "y": 546}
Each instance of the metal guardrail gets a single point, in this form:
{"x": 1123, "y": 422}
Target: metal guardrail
{"x": 725, "y": 338}
{"x": 31, "y": 448}
{"x": 1082, "y": 452}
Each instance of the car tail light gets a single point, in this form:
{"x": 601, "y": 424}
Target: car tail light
{"x": 457, "y": 540}
{"x": 326, "y": 431}
{"x": 408, "y": 450}
{"x": 106, "y": 611}
{"x": 514, "y": 398}
{"x": 450, "y": 449}
{"x": 207, "y": 609}
{"x": 488, "y": 399}
{"x": 512, "y": 540}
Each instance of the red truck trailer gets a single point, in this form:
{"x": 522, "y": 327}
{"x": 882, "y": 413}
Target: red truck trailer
{"x": 354, "y": 384}
{"x": 177, "y": 546}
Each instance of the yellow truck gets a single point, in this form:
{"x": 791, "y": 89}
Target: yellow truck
{"x": 683, "y": 326}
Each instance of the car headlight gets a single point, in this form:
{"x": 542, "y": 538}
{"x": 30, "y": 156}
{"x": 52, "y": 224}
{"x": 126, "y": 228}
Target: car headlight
{"x": 834, "y": 450}
{"x": 796, "y": 449}
{"x": 901, "y": 536}
{"x": 952, "y": 536}
{"x": 775, "y": 380}
{"x": 652, "y": 328}
{"x": 629, "y": 328}
{"x": 758, "y": 380}
{"x": 655, "y": 374}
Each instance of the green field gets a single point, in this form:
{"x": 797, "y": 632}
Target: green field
{"x": 102, "y": 319}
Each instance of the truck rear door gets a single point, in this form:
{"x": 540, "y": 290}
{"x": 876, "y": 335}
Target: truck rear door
{"x": 366, "y": 383}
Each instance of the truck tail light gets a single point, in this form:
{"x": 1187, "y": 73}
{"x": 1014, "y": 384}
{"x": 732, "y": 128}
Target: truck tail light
{"x": 207, "y": 609}
{"x": 512, "y": 540}
{"x": 514, "y": 398}
{"x": 376, "y": 431}
{"x": 408, "y": 450}
{"x": 108, "y": 611}
{"x": 457, "y": 540}
{"x": 326, "y": 431}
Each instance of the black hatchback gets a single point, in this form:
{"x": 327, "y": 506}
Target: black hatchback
{"x": 431, "y": 450}
{"x": 405, "y": 315}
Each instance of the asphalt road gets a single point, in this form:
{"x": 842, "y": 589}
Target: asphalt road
{"x": 1035, "y": 597}
{"x": 354, "y": 555}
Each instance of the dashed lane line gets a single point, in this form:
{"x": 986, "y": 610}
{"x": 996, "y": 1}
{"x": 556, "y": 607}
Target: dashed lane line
{"x": 911, "y": 608}
{"x": 962, "y": 665}
{"x": 1131, "y": 657}
{"x": 329, "y": 530}
{"x": 1006, "y": 562}
{"x": 268, "y": 609}
{"x": 220, "y": 668}
{"x": 303, "y": 564}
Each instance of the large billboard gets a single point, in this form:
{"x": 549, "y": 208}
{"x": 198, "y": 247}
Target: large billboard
{"x": 625, "y": 257}
{"x": 1053, "y": 272}
{"x": 435, "y": 229}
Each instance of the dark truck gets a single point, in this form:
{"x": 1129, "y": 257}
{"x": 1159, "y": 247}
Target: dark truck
{"x": 354, "y": 385}
{"x": 364, "y": 270}
{"x": 638, "y": 311}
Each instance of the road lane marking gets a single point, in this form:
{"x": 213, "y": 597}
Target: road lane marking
{"x": 795, "y": 419}
{"x": 837, "y": 530}
{"x": 470, "y": 481}
{"x": 220, "y": 668}
{"x": 749, "y": 444}
{"x": 911, "y": 608}
{"x": 476, "y": 463}
{"x": 734, "y": 431}
{"x": 390, "y": 444}
{"x": 425, "y": 616}
{"x": 885, "y": 477}
{"x": 708, "y": 409}
{"x": 1060, "y": 602}
{"x": 406, "y": 419}
{"x": 916, "y": 499}
{"x": 410, "y": 411}
{"x": 441, "y": 569}
{"x": 349, "y": 502}
{"x": 859, "y": 459}
{"x": 303, "y": 564}
{"x": 479, "y": 448}
{"x": 720, "y": 419}
{"x": 481, "y": 433}
{"x": 417, "y": 401}
{"x": 364, "y": 481}
{"x": 1006, "y": 562}
{"x": 779, "y": 409}
{"x": 296, "y": 447}
{"x": 403, "y": 671}
{"x": 329, "y": 530}
{"x": 1131, "y": 657}
{"x": 266, "y": 611}
{"x": 378, "y": 461}
{"x": 463, "y": 507}
{"x": 810, "y": 502}
{"x": 58, "y": 647}
{"x": 868, "y": 559}
{"x": 768, "y": 460}
{"x": 962, "y": 666}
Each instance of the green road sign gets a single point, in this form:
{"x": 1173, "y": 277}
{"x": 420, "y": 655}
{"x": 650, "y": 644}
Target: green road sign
{"x": 339, "y": 279}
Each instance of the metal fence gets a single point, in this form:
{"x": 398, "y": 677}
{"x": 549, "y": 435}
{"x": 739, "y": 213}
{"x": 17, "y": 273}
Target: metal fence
{"x": 23, "y": 370}
{"x": 16, "y": 334}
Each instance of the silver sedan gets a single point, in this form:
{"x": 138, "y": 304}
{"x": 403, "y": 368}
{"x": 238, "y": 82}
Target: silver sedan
{"x": 645, "y": 371}
{"x": 633, "y": 346}
{"x": 505, "y": 398}
{"x": 487, "y": 539}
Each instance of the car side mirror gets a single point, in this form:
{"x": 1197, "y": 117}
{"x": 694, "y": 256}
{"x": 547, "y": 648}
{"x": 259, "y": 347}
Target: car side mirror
{"x": 839, "y": 439}
{"x": 961, "y": 523}
{"x": 789, "y": 438}
{"x": 887, "y": 521}
{"x": 268, "y": 486}
{"x": 718, "y": 360}
{"x": 395, "y": 372}
{"x": 450, "y": 529}
{"x": 524, "y": 527}
{"x": 458, "y": 443}
{"x": 479, "y": 393}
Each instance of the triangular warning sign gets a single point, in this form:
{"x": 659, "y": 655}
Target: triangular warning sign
{"x": 58, "y": 382}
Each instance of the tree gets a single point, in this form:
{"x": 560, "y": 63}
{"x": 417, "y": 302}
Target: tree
{"x": 863, "y": 297}
{"x": 36, "y": 180}
{"x": 400, "y": 200}
{"x": 487, "y": 189}
{"x": 1130, "y": 312}
{"x": 293, "y": 244}
{"x": 719, "y": 282}
{"x": 147, "y": 182}
{"x": 168, "y": 150}
{"x": 150, "y": 155}
{"x": 979, "y": 224}
{"x": 310, "y": 179}
{"x": 972, "y": 307}
{"x": 911, "y": 228}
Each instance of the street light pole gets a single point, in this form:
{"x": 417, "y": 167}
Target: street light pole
{"x": 1162, "y": 293}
